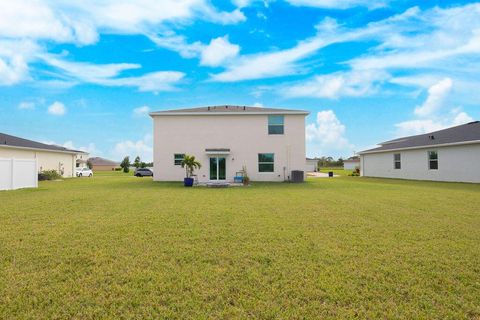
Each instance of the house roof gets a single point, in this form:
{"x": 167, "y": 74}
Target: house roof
{"x": 227, "y": 109}
{"x": 463, "y": 134}
{"x": 7, "y": 140}
{"x": 98, "y": 161}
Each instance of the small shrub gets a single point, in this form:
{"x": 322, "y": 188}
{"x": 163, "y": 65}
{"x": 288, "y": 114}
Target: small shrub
{"x": 117, "y": 169}
{"x": 49, "y": 175}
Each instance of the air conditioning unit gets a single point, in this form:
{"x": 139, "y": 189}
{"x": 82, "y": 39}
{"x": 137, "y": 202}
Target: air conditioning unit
{"x": 297, "y": 176}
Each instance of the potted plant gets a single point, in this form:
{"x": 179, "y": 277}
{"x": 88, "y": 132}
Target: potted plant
{"x": 246, "y": 179}
{"x": 190, "y": 164}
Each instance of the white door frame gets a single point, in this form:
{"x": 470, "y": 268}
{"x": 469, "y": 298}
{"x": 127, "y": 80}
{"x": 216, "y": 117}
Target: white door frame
{"x": 218, "y": 156}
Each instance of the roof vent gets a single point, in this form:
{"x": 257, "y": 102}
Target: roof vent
{"x": 244, "y": 108}
{"x": 208, "y": 108}
{"x": 226, "y": 107}
{"x": 431, "y": 137}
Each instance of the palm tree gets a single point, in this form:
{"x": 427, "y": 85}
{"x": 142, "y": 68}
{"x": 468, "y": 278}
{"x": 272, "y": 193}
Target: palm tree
{"x": 190, "y": 164}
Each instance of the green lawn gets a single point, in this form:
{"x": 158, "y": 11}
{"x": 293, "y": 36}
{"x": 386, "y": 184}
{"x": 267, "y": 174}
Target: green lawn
{"x": 120, "y": 247}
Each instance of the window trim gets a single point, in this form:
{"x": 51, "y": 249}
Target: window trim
{"x": 282, "y": 125}
{"x": 175, "y": 158}
{"x": 265, "y": 162}
{"x": 399, "y": 161}
{"x": 429, "y": 161}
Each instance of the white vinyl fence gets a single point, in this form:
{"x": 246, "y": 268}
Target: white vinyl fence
{"x": 18, "y": 173}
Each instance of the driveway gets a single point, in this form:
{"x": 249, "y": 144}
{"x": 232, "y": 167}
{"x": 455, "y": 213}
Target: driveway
{"x": 319, "y": 174}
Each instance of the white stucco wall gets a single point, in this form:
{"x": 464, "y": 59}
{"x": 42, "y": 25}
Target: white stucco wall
{"x": 351, "y": 165}
{"x": 311, "y": 165}
{"x": 46, "y": 160}
{"x": 245, "y": 135}
{"x": 455, "y": 164}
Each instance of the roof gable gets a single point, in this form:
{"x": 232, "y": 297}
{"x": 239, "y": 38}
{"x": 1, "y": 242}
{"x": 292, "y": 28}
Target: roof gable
{"x": 98, "y": 161}
{"x": 17, "y": 142}
{"x": 469, "y": 132}
{"x": 227, "y": 109}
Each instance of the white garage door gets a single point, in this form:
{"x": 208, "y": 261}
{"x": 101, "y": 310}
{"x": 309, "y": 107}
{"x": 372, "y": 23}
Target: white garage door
{"x": 18, "y": 173}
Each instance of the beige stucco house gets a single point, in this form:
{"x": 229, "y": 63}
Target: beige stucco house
{"x": 49, "y": 157}
{"x": 102, "y": 164}
{"x": 269, "y": 142}
{"x": 446, "y": 155}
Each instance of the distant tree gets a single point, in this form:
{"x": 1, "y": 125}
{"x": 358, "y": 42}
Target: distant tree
{"x": 137, "y": 162}
{"x": 125, "y": 165}
{"x": 143, "y": 165}
{"x": 89, "y": 164}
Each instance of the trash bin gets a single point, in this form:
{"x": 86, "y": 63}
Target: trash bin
{"x": 330, "y": 174}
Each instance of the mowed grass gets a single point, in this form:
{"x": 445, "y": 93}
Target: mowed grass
{"x": 115, "y": 246}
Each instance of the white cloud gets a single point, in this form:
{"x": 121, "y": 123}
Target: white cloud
{"x": 436, "y": 96}
{"x": 142, "y": 148}
{"x": 178, "y": 44}
{"x": 88, "y": 72}
{"x": 26, "y": 105}
{"x": 438, "y": 40}
{"x": 258, "y": 105}
{"x": 338, "y": 4}
{"x": 91, "y": 148}
{"x": 13, "y": 70}
{"x": 431, "y": 115}
{"x": 108, "y": 75}
{"x": 266, "y": 65}
{"x": 332, "y": 86}
{"x": 141, "y": 111}
{"x": 327, "y": 132}
{"x": 81, "y": 22}
{"x": 36, "y": 19}
{"x": 153, "y": 81}
{"x": 218, "y": 51}
{"x": 57, "y": 109}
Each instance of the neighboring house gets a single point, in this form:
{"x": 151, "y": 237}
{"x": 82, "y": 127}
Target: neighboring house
{"x": 269, "y": 142}
{"x": 101, "y": 164}
{"x": 49, "y": 157}
{"x": 351, "y": 163}
{"x": 81, "y": 160}
{"x": 311, "y": 165}
{"x": 446, "y": 155}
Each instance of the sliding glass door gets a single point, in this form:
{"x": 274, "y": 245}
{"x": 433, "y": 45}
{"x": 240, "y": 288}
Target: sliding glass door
{"x": 218, "y": 168}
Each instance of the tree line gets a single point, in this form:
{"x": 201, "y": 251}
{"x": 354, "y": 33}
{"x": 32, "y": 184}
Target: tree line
{"x": 137, "y": 163}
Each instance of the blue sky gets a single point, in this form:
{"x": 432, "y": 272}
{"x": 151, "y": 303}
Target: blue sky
{"x": 84, "y": 75}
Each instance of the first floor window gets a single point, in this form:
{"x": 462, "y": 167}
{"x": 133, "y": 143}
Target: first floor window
{"x": 265, "y": 162}
{"x": 178, "y": 158}
{"x": 397, "y": 163}
{"x": 432, "y": 160}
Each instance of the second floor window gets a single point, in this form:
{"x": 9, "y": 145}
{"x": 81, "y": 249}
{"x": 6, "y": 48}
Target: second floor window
{"x": 275, "y": 124}
{"x": 397, "y": 163}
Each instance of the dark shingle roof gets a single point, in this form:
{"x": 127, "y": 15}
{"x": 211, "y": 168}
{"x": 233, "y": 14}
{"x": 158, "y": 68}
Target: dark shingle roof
{"x": 12, "y": 141}
{"x": 97, "y": 161}
{"x": 228, "y": 109}
{"x": 463, "y": 133}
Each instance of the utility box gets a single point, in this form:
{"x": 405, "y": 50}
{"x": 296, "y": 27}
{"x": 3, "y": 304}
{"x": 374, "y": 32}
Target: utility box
{"x": 297, "y": 176}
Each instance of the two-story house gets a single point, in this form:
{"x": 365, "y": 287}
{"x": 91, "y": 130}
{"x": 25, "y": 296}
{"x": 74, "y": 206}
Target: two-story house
{"x": 269, "y": 142}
